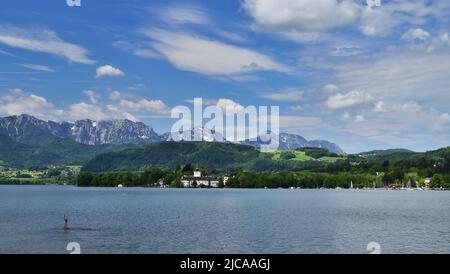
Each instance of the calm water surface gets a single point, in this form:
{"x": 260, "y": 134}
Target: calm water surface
{"x": 222, "y": 220}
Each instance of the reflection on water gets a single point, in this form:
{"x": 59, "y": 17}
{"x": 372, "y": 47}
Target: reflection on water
{"x": 222, "y": 220}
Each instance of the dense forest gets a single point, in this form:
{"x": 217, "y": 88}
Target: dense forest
{"x": 149, "y": 178}
{"x": 53, "y": 152}
{"x": 362, "y": 171}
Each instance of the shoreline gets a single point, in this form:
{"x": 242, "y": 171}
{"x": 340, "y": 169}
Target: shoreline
{"x": 206, "y": 188}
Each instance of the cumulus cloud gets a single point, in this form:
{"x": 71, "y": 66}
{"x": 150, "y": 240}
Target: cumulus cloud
{"x": 313, "y": 20}
{"x": 228, "y": 104}
{"x": 205, "y": 56}
{"x": 378, "y": 22}
{"x": 384, "y": 20}
{"x": 43, "y": 40}
{"x": 350, "y": 99}
{"x": 92, "y": 95}
{"x": 96, "y": 112}
{"x": 153, "y": 106}
{"x": 302, "y": 16}
{"x": 108, "y": 70}
{"x": 18, "y": 102}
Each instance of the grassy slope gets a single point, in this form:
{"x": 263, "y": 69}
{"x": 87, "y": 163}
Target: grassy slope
{"x": 302, "y": 157}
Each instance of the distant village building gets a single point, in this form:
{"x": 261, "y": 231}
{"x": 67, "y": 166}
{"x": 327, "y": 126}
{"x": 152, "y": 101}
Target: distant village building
{"x": 427, "y": 183}
{"x": 199, "y": 181}
{"x": 162, "y": 183}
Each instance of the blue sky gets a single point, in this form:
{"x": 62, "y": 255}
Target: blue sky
{"x": 363, "y": 77}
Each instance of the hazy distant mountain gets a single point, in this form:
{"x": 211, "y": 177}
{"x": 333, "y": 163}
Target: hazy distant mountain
{"x": 30, "y": 130}
{"x": 110, "y": 132}
{"x": 325, "y": 144}
{"x": 286, "y": 140}
{"x": 27, "y": 129}
{"x": 294, "y": 141}
{"x": 201, "y": 134}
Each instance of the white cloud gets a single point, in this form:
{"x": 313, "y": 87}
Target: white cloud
{"x": 378, "y": 21}
{"x": 346, "y": 50}
{"x": 108, "y": 70}
{"x": 411, "y": 107}
{"x": 416, "y": 34}
{"x": 144, "y": 105}
{"x": 146, "y": 53}
{"x": 445, "y": 117}
{"x": 359, "y": 118}
{"x": 302, "y": 36}
{"x": 37, "y": 67}
{"x": 442, "y": 41}
{"x": 400, "y": 75}
{"x": 346, "y": 116}
{"x": 115, "y": 95}
{"x": 92, "y": 95}
{"x": 43, "y": 40}
{"x": 201, "y": 55}
{"x": 302, "y": 16}
{"x": 350, "y": 99}
{"x": 314, "y": 20}
{"x": 330, "y": 88}
{"x": 19, "y": 102}
{"x": 179, "y": 15}
{"x": 384, "y": 20}
{"x": 379, "y": 107}
{"x": 96, "y": 112}
{"x": 290, "y": 95}
{"x": 228, "y": 104}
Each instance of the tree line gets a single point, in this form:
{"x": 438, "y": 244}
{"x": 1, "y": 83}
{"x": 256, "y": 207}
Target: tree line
{"x": 149, "y": 178}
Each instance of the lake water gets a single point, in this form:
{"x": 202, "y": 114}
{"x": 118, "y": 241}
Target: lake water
{"x": 222, "y": 220}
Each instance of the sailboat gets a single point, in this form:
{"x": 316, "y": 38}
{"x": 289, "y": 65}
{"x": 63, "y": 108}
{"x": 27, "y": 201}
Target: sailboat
{"x": 409, "y": 185}
{"x": 351, "y": 184}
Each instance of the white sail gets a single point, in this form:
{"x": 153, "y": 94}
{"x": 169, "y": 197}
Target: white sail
{"x": 408, "y": 184}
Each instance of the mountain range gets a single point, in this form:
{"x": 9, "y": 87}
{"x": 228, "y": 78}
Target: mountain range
{"x": 30, "y": 130}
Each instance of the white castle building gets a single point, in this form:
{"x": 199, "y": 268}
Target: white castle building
{"x": 199, "y": 181}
